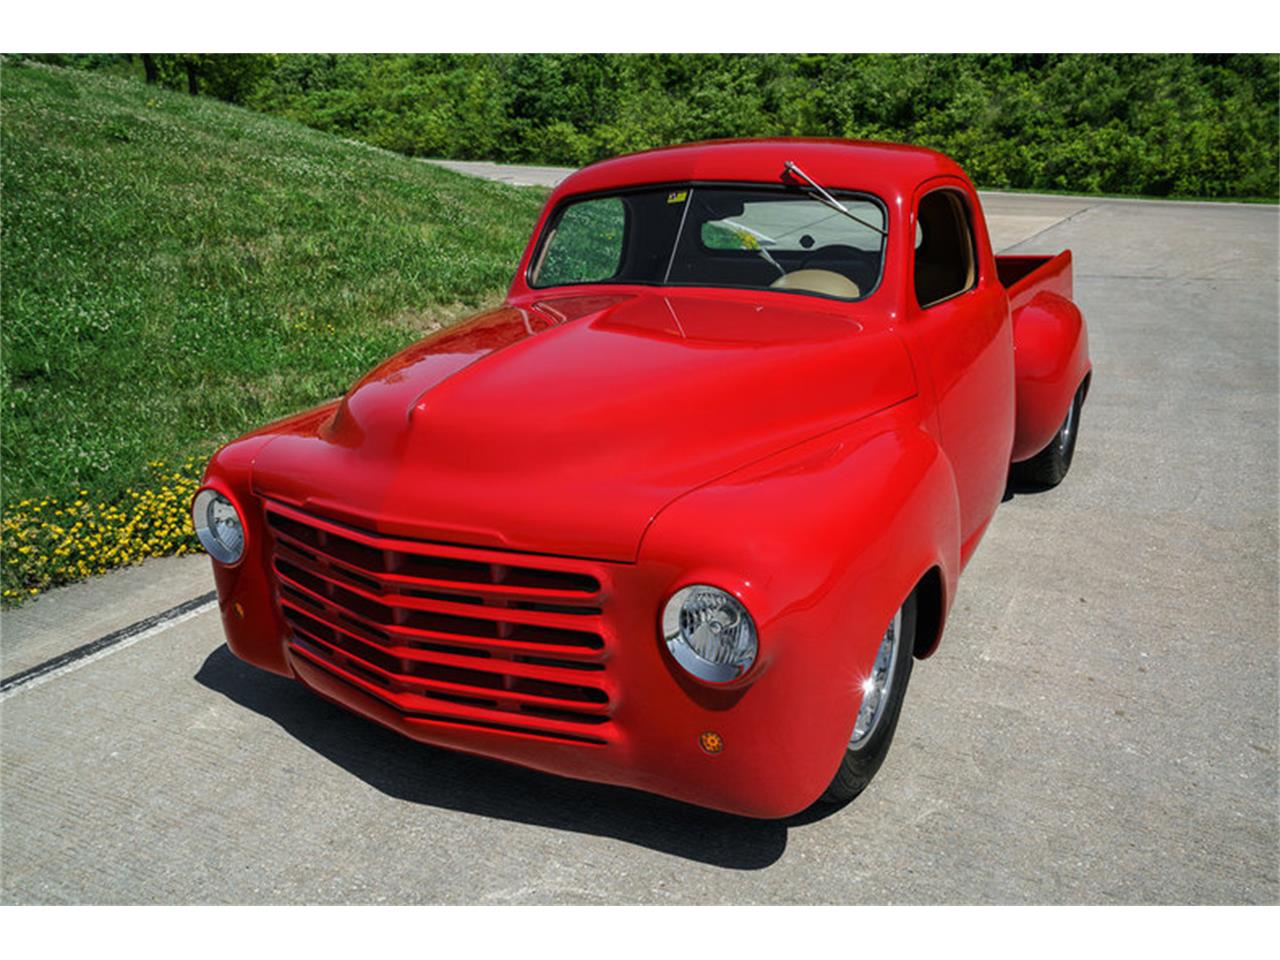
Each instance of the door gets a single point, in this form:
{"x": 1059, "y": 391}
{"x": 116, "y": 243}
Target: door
{"x": 963, "y": 329}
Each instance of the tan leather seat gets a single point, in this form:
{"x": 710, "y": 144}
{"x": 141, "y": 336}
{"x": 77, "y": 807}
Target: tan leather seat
{"x": 826, "y": 282}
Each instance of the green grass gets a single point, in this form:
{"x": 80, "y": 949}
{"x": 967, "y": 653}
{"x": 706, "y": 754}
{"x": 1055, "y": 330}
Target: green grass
{"x": 175, "y": 271}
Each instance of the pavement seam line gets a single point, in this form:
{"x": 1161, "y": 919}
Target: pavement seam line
{"x": 110, "y": 643}
{"x": 1053, "y": 226}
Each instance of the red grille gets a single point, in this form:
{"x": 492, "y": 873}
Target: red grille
{"x": 509, "y": 642}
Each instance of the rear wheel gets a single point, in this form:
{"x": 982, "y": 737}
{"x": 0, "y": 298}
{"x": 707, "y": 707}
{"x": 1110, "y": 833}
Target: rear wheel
{"x": 1050, "y": 465}
{"x": 882, "y": 695}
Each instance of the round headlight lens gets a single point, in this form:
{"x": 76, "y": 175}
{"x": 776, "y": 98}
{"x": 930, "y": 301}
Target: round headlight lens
{"x": 709, "y": 633}
{"x": 218, "y": 525}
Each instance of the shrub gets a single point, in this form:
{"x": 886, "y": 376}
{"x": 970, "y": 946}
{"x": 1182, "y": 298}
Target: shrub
{"x": 1169, "y": 125}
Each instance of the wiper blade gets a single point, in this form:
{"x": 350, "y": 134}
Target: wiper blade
{"x": 791, "y": 168}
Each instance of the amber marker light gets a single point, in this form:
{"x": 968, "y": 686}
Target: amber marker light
{"x": 711, "y": 742}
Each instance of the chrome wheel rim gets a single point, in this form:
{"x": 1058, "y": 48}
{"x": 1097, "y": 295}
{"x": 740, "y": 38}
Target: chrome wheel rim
{"x": 877, "y": 686}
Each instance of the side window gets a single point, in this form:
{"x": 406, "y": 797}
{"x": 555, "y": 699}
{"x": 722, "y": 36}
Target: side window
{"x": 945, "y": 262}
{"x": 586, "y": 244}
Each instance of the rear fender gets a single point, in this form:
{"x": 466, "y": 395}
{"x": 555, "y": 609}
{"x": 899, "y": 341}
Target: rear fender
{"x": 1051, "y": 360}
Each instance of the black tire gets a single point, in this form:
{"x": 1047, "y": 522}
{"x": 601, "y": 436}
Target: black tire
{"x": 1048, "y": 467}
{"x": 861, "y": 763}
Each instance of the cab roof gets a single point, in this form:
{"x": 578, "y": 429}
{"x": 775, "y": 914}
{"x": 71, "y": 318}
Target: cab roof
{"x": 881, "y": 168}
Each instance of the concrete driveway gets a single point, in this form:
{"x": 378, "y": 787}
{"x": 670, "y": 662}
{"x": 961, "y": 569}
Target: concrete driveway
{"x": 1099, "y": 725}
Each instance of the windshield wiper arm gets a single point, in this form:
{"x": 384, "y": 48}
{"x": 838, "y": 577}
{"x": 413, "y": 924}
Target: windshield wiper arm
{"x": 791, "y": 168}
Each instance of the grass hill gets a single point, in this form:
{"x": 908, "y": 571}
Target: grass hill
{"x": 175, "y": 271}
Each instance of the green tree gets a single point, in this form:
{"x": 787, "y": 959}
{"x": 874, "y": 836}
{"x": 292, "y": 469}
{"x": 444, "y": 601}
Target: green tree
{"x": 1167, "y": 125}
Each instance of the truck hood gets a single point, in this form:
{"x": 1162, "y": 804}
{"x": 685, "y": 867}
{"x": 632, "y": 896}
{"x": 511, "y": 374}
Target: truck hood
{"x": 566, "y": 426}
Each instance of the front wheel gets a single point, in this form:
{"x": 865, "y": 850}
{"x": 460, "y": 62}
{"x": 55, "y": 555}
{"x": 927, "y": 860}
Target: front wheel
{"x": 883, "y": 691}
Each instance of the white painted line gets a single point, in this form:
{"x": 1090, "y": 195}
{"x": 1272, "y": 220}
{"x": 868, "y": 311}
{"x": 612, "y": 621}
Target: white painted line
{"x": 105, "y": 646}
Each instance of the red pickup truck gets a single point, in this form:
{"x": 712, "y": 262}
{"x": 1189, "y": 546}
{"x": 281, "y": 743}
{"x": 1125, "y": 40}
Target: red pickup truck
{"x": 683, "y": 511}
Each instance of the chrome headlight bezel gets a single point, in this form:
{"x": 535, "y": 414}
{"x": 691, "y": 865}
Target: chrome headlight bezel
{"x": 710, "y": 657}
{"x": 223, "y": 536}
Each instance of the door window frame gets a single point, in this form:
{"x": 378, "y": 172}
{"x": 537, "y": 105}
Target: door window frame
{"x": 975, "y": 266}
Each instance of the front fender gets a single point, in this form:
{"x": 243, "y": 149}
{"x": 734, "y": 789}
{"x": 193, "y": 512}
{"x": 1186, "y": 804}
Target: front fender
{"x": 1051, "y": 360}
{"x": 822, "y": 543}
{"x": 254, "y": 628}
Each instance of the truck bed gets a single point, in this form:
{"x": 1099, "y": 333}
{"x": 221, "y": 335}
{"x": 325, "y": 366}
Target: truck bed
{"x": 1025, "y": 276}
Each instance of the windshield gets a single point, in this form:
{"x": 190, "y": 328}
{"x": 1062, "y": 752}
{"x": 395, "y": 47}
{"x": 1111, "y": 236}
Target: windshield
{"x": 712, "y": 236}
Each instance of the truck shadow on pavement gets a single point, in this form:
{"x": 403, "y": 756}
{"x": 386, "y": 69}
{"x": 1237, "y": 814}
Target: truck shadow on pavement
{"x": 418, "y": 773}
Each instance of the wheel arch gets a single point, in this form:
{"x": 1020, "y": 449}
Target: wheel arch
{"x": 931, "y": 612}
{"x": 1051, "y": 357}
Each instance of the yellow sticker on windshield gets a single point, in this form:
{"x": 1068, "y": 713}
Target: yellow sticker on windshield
{"x": 677, "y": 197}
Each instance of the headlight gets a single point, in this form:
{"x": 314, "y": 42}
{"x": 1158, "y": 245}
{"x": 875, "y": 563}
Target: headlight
{"x": 709, "y": 633}
{"x": 218, "y": 526}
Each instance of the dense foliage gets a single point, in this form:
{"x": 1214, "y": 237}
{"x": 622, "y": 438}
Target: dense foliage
{"x": 1160, "y": 125}
{"x": 177, "y": 271}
